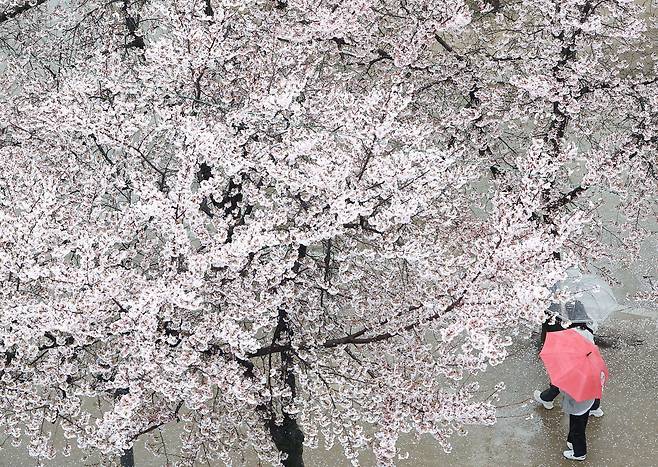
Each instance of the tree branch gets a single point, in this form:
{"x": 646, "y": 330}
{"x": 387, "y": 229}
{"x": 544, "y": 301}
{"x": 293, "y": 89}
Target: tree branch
{"x": 355, "y": 338}
{"x": 566, "y": 198}
{"x": 13, "y": 12}
{"x": 131, "y": 25}
{"x": 158, "y": 425}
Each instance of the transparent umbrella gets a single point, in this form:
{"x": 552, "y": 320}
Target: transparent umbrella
{"x": 584, "y": 298}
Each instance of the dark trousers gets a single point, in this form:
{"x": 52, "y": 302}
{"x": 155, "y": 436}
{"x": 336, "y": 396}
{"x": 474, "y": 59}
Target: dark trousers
{"x": 577, "y": 426}
{"x": 552, "y": 392}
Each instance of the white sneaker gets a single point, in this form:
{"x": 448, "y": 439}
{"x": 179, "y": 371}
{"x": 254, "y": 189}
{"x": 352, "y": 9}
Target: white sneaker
{"x": 548, "y": 405}
{"x": 569, "y": 445}
{"x": 596, "y": 413}
{"x": 569, "y": 455}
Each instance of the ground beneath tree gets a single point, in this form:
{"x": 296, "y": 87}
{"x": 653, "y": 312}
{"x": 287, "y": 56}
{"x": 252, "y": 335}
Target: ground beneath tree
{"x": 525, "y": 434}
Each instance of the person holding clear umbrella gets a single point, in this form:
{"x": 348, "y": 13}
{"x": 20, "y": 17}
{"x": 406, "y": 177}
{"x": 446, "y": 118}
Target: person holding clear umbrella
{"x": 589, "y": 301}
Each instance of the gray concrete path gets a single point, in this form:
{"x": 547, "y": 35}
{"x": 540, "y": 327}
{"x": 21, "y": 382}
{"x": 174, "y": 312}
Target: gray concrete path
{"x": 528, "y": 435}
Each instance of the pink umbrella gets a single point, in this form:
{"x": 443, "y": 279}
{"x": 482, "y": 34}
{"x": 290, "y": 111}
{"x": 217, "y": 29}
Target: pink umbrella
{"x": 574, "y": 364}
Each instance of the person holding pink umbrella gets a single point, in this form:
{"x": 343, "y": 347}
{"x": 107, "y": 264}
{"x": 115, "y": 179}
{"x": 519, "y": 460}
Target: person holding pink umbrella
{"x": 547, "y": 396}
{"x": 575, "y": 366}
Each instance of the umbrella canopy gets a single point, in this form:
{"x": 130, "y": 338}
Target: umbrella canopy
{"x": 574, "y": 364}
{"x": 586, "y": 299}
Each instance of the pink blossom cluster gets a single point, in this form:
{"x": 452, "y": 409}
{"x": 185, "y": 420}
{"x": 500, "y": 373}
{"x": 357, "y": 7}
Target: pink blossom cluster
{"x": 235, "y": 216}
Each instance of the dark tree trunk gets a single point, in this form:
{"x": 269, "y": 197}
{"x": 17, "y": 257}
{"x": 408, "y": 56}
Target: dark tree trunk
{"x": 289, "y": 440}
{"x": 128, "y": 458}
{"x": 287, "y": 437}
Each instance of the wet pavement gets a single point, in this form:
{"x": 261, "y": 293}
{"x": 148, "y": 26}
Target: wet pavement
{"x": 526, "y": 434}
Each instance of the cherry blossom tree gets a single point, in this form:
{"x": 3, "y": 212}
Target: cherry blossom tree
{"x": 284, "y": 224}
